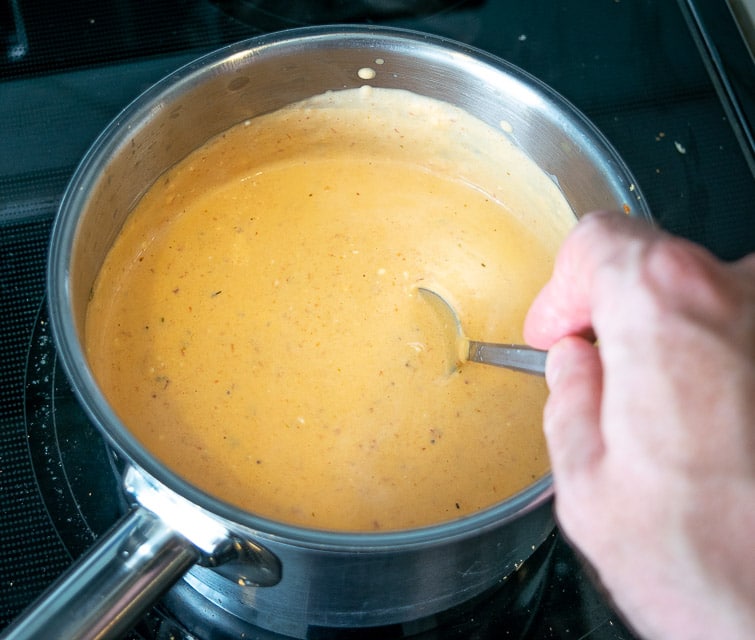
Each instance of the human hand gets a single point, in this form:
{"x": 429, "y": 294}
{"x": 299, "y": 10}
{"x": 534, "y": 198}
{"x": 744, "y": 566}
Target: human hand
{"x": 652, "y": 434}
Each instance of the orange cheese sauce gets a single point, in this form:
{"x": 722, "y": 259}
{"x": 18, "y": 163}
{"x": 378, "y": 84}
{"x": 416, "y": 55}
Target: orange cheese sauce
{"x": 257, "y": 323}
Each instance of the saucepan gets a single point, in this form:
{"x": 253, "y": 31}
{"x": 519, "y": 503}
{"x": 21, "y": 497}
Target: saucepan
{"x": 281, "y": 577}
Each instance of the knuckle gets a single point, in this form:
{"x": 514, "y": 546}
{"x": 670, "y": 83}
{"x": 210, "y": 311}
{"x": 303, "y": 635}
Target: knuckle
{"x": 682, "y": 278}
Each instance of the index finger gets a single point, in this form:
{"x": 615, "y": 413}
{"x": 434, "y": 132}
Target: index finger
{"x": 565, "y": 305}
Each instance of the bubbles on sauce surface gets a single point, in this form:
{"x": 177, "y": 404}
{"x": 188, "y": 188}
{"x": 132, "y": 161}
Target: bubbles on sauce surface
{"x": 367, "y": 73}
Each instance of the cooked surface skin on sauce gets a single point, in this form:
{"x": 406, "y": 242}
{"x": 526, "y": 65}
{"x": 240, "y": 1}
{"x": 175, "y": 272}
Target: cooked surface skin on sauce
{"x": 257, "y": 323}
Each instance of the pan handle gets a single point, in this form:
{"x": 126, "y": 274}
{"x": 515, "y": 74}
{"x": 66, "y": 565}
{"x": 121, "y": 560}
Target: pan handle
{"x": 113, "y": 585}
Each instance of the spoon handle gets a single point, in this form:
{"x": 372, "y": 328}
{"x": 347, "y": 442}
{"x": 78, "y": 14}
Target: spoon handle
{"x": 510, "y": 356}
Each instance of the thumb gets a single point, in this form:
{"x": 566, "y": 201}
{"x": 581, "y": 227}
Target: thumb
{"x": 571, "y": 419}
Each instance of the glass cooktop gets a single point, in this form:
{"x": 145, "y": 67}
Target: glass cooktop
{"x": 670, "y": 84}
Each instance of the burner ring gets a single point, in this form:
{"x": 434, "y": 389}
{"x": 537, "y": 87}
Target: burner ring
{"x": 76, "y": 473}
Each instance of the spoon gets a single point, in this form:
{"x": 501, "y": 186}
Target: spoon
{"x": 511, "y": 356}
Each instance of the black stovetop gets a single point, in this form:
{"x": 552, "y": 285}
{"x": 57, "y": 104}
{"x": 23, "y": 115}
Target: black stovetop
{"x": 670, "y": 84}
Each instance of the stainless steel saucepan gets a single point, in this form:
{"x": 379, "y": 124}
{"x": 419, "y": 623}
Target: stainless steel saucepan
{"x": 276, "y": 576}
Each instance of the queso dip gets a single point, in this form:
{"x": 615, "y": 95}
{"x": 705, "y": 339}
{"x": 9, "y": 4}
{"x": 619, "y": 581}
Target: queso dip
{"x": 257, "y": 323}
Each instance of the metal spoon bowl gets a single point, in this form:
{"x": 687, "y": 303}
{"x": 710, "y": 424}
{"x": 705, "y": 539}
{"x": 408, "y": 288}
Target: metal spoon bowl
{"x": 510, "y": 356}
